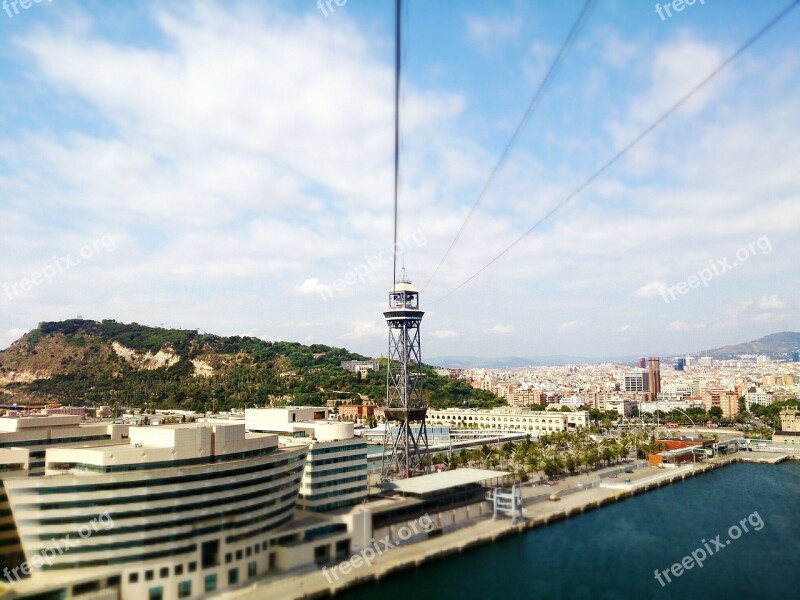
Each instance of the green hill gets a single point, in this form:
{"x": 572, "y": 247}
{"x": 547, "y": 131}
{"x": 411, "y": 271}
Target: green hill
{"x": 104, "y": 362}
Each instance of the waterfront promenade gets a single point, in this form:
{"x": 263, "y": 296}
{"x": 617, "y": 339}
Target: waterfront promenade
{"x": 313, "y": 583}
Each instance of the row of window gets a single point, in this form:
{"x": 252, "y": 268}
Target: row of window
{"x": 338, "y": 471}
{"x": 156, "y": 482}
{"x": 200, "y": 532}
{"x": 332, "y": 461}
{"x": 232, "y": 539}
{"x": 121, "y": 560}
{"x": 331, "y": 506}
{"x": 334, "y": 449}
{"x": 324, "y": 484}
{"x": 149, "y": 575}
{"x": 505, "y": 419}
{"x": 21, "y": 443}
{"x": 148, "y": 498}
{"x": 210, "y": 580}
{"x": 167, "y": 464}
{"x": 322, "y": 496}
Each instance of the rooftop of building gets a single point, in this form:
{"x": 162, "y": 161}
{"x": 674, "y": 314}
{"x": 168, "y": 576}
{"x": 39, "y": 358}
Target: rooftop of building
{"x": 162, "y": 443}
{"x": 11, "y": 424}
{"x": 437, "y": 482}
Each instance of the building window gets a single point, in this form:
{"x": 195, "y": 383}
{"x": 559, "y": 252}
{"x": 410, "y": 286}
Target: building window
{"x": 228, "y": 558}
{"x": 164, "y": 572}
{"x": 148, "y": 575}
{"x": 251, "y": 569}
{"x": 238, "y": 555}
{"x": 233, "y": 576}
{"x": 248, "y": 552}
{"x": 156, "y": 593}
{"x": 321, "y": 554}
{"x": 184, "y": 589}
{"x": 210, "y": 553}
{"x": 211, "y": 582}
{"x": 178, "y": 569}
{"x": 342, "y": 548}
{"x": 192, "y": 567}
{"x": 133, "y": 578}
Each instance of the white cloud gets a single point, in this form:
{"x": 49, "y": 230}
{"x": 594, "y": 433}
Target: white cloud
{"x": 11, "y": 336}
{"x": 651, "y": 289}
{"x": 485, "y": 29}
{"x": 300, "y": 324}
{"x": 314, "y": 286}
{"x": 216, "y": 177}
{"x": 569, "y": 325}
{"x": 443, "y": 334}
{"x": 770, "y": 302}
{"x": 366, "y": 329}
{"x": 616, "y": 51}
{"x": 677, "y": 67}
{"x": 738, "y": 309}
{"x": 501, "y": 329}
{"x": 683, "y": 326}
{"x": 768, "y": 318}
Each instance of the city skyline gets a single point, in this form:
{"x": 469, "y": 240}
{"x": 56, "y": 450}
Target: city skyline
{"x": 228, "y": 168}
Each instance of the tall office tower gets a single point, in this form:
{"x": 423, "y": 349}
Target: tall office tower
{"x": 654, "y": 375}
{"x": 681, "y": 364}
{"x": 642, "y": 363}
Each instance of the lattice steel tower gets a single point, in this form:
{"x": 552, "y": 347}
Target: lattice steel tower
{"x": 405, "y": 454}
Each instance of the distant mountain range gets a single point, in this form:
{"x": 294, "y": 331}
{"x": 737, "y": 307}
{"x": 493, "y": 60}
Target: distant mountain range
{"x": 776, "y": 346}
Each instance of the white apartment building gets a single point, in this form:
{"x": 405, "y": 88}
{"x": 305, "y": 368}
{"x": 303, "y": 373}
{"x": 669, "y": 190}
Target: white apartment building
{"x": 534, "y": 422}
{"x": 571, "y": 401}
{"x": 359, "y": 366}
{"x": 621, "y": 406}
{"x": 668, "y": 405}
{"x": 680, "y": 389}
{"x": 758, "y": 396}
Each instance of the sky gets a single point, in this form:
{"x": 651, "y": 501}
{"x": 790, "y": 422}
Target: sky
{"x": 228, "y": 167}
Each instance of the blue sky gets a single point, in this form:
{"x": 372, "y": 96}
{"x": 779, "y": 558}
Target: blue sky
{"x": 228, "y": 167}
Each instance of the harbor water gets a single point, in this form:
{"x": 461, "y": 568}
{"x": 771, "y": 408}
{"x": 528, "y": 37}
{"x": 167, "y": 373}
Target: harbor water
{"x": 613, "y": 552}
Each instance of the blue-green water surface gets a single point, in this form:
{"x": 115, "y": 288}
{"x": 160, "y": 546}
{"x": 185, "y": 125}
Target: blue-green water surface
{"x": 613, "y": 552}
